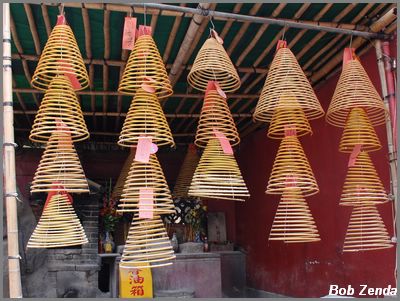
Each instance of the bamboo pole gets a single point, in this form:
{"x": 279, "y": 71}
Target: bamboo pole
{"x": 172, "y": 36}
{"x": 46, "y": 18}
{"x": 10, "y": 187}
{"x": 228, "y": 23}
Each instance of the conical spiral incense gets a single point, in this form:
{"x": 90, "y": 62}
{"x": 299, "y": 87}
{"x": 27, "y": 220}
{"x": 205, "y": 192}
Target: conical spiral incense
{"x": 288, "y": 115}
{"x": 355, "y": 90}
{"x": 58, "y": 226}
{"x": 119, "y": 185}
{"x": 359, "y": 130}
{"x": 363, "y": 185}
{"x": 218, "y": 176}
{"x": 366, "y": 231}
{"x": 293, "y": 221}
{"x": 59, "y": 103}
{"x": 291, "y": 169}
{"x": 213, "y": 63}
{"x": 147, "y": 245}
{"x": 145, "y": 118}
{"x": 146, "y": 176}
{"x": 285, "y": 77}
{"x": 215, "y": 114}
{"x": 60, "y": 164}
{"x": 60, "y": 56}
{"x": 186, "y": 172}
{"x": 145, "y": 65}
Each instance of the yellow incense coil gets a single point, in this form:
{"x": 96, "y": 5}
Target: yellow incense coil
{"x": 366, "y": 231}
{"x": 59, "y": 103}
{"x": 355, "y": 90}
{"x": 212, "y": 63}
{"x": 291, "y": 169}
{"x": 285, "y": 77}
{"x": 359, "y": 130}
{"x": 61, "y": 55}
{"x": 58, "y": 226}
{"x": 146, "y": 175}
{"x": 60, "y": 164}
{"x": 293, "y": 220}
{"x": 147, "y": 245}
{"x": 218, "y": 176}
{"x": 362, "y": 185}
{"x": 145, "y": 118}
{"x": 145, "y": 61}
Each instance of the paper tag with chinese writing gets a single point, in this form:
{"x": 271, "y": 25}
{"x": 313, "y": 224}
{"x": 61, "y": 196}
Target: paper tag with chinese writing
{"x": 281, "y": 44}
{"x": 69, "y": 72}
{"x": 217, "y": 37}
{"x": 219, "y": 90}
{"x": 146, "y": 202}
{"x": 226, "y": 146}
{"x": 354, "y": 154}
{"x": 143, "y": 149}
{"x": 290, "y": 130}
{"x": 147, "y": 84}
{"x": 144, "y": 30}
{"x": 348, "y": 55}
{"x": 61, "y": 20}
{"x": 128, "y": 36}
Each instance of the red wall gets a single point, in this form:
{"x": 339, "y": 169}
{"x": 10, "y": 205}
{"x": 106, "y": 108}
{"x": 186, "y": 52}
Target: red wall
{"x": 307, "y": 270}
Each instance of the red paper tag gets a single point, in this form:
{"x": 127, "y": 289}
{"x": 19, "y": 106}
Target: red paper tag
{"x": 61, "y": 20}
{"x": 60, "y": 190}
{"x": 146, "y": 202}
{"x": 213, "y": 85}
{"x": 144, "y": 148}
{"x": 290, "y": 130}
{"x": 144, "y": 30}
{"x": 128, "y": 36}
{"x": 354, "y": 154}
{"x": 226, "y": 146}
{"x": 291, "y": 181}
{"x": 147, "y": 84}
{"x": 281, "y": 44}
{"x": 217, "y": 37}
{"x": 348, "y": 55}
{"x": 70, "y": 73}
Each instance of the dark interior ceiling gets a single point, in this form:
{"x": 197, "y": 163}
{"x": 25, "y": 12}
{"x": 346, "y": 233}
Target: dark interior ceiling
{"x": 251, "y": 48}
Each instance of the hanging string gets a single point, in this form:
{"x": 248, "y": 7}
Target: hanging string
{"x": 61, "y": 8}
{"x": 212, "y": 26}
{"x": 351, "y": 40}
{"x": 283, "y": 33}
{"x": 144, "y": 14}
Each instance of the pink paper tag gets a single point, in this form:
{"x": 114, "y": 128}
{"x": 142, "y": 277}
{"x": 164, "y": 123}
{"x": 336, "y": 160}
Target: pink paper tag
{"x": 217, "y": 37}
{"x": 226, "y": 146}
{"x": 128, "y": 36}
{"x": 146, "y": 202}
{"x": 354, "y": 154}
{"x": 144, "y": 30}
{"x": 290, "y": 130}
{"x": 348, "y": 55}
{"x": 60, "y": 190}
{"x": 143, "y": 149}
{"x": 281, "y": 44}
{"x": 69, "y": 72}
{"x": 219, "y": 90}
{"x": 61, "y": 20}
{"x": 291, "y": 181}
{"x": 147, "y": 84}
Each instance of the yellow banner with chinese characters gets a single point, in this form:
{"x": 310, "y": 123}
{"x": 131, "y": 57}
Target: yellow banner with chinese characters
{"x": 135, "y": 283}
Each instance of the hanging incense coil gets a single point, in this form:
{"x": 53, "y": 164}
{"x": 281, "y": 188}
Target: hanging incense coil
{"x": 215, "y": 115}
{"x": 355, "y": 90}
{"x": 146, "y": 175}
{"x": 217, "y": 175}
{"x": 291, "y": 169}
{"x": 119, "y": 185}
{"x": 58, "y": 226}
{"x": 60, "y": 164}
{"x": 363, "y": 185}
{"x": 186, "y": 172}
{"x": 366, "y": 231}
{"x": 288, "y": 115}
{"x": 212, "y": 63}
{"x": 145, "y": 65}
{"x": 145, "y": 118}
{"x": 359, "y": 130}
{"x": 59, "y": 103}
{"x": 293, "y": 220}
{"x": 61, "y": 56}
{"x": 285, "y": 77}
{"x": 147, "y": 245}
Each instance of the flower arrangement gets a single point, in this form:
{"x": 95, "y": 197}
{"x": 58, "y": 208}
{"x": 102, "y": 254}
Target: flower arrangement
{"x": 109, "y": 214}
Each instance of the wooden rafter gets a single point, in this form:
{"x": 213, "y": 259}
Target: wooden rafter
{"x": 46, "y": 18}
{"x": 172, "y": 36}
{"x": 32, "y": 26}
{"x": 228, "y": 24}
